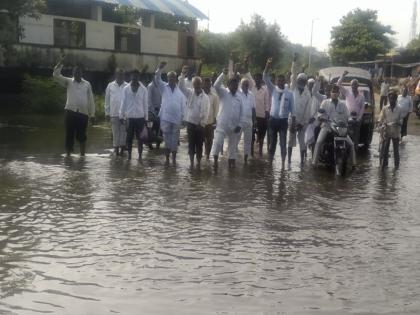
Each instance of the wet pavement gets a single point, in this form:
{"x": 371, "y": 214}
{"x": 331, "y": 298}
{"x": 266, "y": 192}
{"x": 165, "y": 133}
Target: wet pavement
{"x": 99, "y": 234}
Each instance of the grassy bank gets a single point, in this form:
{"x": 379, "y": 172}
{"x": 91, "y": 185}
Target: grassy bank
{"x": 42, "y": 96}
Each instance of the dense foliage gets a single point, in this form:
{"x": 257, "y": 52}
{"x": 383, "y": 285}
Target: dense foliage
{"x": 359, "y": 37}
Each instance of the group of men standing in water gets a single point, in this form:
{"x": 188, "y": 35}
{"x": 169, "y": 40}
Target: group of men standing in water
{"x": 227, "y": 107}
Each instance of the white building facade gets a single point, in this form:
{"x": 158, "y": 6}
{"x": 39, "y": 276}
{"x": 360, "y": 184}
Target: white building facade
{"x": 87, "y": 32}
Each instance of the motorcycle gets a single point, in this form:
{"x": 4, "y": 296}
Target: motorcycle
{"x": 335, "y": 150}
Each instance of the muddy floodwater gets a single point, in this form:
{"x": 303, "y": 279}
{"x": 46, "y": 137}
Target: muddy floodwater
{"x": 100, "y": 235}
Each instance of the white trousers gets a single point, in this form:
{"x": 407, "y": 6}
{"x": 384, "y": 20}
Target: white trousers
{"x": 233, "y": 141}
{"x": 300, "y": 135}
{"x": 119, "y": 133}
{"x": 247, "y": 132}
{"x": 170, "y": 132}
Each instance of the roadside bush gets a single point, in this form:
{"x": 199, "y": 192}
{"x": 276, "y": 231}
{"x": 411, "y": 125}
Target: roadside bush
{"x": 42, "y": 95}
{"x": 99, "y": 107}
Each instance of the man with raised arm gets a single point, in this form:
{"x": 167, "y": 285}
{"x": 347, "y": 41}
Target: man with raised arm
{"x": 196, "y": 115}
{"x": 355, "y": 102}
{"x": 302, "y": 110}
{"x": 229, "y": 120}
{"x": 262, "y": 106}
{"x": 172, "y": 111}
{"x": 282, "y": 106}
{"x": 79, "y": 106}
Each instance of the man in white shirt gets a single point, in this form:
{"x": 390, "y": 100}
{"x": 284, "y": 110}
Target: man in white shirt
{"x": 335, "y": 110}
{"x": 262, "y": 106}
{"x": 211, "y": 118}
{"x": 229, "y": 120}
{"x": 155, "y": 100}
{"x": 172, "y": 111}
{"x": 248, "y": 103}
{"x": 302, "y": 106}
{"x": 384, "y": 93}
{"x": 355, "y": 102}
{"x": 79, "y": 106}
{"x": 406, "y": 104}
{"x": 113, "y": 99}
{"x": 134, "y": 111}
{"x": 392, "y": 116}
{"x": 282, "y": 107}
{"x": 196, "y": 114}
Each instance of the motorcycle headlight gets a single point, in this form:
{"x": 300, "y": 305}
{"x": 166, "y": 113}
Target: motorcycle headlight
{"x": 342, "y": 131}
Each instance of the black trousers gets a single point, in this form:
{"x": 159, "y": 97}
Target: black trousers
{"x": 396, "y": 145}
{"x": 262, "y": 126}
{"x": 76, "y": 126}
{"x": 404, "y": 126}
{"x": 195, "y": 139}
{"x": 383, "y": 101}
{"x": 278, "y": 127}
{"x": 208, "y": 138}
{"x": 134, "y": 128}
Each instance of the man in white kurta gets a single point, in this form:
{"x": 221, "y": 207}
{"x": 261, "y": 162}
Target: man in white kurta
{"x": 229, "y": 120}
{"x": 302, "y": 105}
{"x": 172, "y": 111}
{"x": 248, "y": 101}
{"x": 113, "y": 99}
{"x": 134, "y": 111}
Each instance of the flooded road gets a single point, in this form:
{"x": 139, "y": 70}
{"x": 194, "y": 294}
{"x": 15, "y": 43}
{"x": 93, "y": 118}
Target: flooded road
{"x": 101, "y": 235}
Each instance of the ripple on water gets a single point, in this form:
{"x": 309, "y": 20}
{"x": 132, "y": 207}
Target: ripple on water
{"x": 100, "y": 235}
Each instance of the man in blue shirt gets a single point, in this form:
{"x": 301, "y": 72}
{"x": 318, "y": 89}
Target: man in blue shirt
{"x": 282, "y": 106}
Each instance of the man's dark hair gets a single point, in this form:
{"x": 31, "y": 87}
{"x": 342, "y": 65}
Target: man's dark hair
{"x": 207, "y": 80}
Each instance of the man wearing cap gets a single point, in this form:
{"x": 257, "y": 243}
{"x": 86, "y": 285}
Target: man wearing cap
{"x": 392, "y": 116}
{"x": 355, "y": 101}
{"x": 302, "y": 106}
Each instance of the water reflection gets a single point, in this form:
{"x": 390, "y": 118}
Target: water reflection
{"x": 98, "y": 234}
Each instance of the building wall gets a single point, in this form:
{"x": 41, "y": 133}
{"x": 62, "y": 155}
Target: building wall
{"x": 38, "y": 46}
{"x": 37, "y": 31}
{"x": 159, "y": 41}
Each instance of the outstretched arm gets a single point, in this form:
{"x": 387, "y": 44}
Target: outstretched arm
{"x": 343, "y": 91}
{"x": 181, "y": 82}
{"x": 266, "y": 76}
{"x": 293, "y": 70}
{"x": 158, "y": 77}
{"x": 221, "y": 92}
{"x": 62, "y": 80}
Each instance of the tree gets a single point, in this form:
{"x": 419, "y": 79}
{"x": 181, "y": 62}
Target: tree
{"x": 259, "y": 40}
{"x": 11, "y": 10}
{"x": 413, "y": 47}
{"x": 359, "y": 37}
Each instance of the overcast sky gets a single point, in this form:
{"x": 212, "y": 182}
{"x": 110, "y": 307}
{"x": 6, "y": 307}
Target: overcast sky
{"x": 295, "y": 17}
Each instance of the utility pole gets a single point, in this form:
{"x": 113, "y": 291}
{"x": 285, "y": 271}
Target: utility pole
{"x": 310, "y": 46}
{"x": 413, "y": 28}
